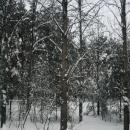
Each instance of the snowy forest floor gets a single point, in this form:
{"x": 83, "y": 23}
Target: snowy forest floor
{"x": 92, "y": 123}
{"x": 89, "y": 122}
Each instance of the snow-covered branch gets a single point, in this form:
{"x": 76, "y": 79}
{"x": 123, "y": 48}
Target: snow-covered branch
{"x": 10, "y": 38}
{"x": 56, "y": 45}
{"x": 69, "y": 73}
{"x": 42, "y": 39}
{"x": 58, "y": 25}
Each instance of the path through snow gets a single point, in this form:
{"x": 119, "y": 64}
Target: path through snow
{"x": 91, "y": 123}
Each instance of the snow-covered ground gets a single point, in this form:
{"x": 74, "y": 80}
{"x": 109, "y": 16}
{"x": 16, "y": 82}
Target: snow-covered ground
{"x": 92, "y": 123}
{"x": 89, "y": 122}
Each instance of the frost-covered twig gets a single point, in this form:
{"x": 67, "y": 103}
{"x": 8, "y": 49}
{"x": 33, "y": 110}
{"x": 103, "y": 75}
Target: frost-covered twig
{"x": 42, "y": 39}
{"x": 48, "y": 22}
{"x": 56, "y": 45}
{"x": 58, "y": 25}
{"x": 91, "y": 19}
{"x": 75, "y": 65}
{"x": 10, "y": 38}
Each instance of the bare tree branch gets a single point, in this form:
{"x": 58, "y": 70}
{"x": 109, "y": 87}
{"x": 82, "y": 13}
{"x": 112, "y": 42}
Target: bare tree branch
{"x": 10, "y": 38}
{"x": 113, "y": 14}
{"x": 56, "y": 45}
{"x": 42, "y": 39}
{"x": 58, "y": 25}
{"x": 91, "y": 19}
{"x": 69, "y": 73}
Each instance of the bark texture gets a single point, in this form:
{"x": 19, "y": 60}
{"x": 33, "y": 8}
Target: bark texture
{"x": 64, "y": 87}
{"x": 125, "y": 60}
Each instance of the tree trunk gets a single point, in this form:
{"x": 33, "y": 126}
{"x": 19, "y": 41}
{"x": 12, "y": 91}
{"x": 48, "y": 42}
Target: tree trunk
{"x": 3, "y": 108}
{"x": 3, "y": 115}
{"x": 80, "y": 110}
{"x": 10, "y": 109}
{"x": 81, "y": 51}
{"x": 120, "y": 118}
{"x": 97, "y": 82}
{"x": 126, "y": 117}
{"x": 42, "y": 111}
{"x": 125, "y": 66}
{"x": 98, "y": 108}
{"x": 64, "y": 87}
{"x": 4, "y": 79}
{"x": 32, "y": 41}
